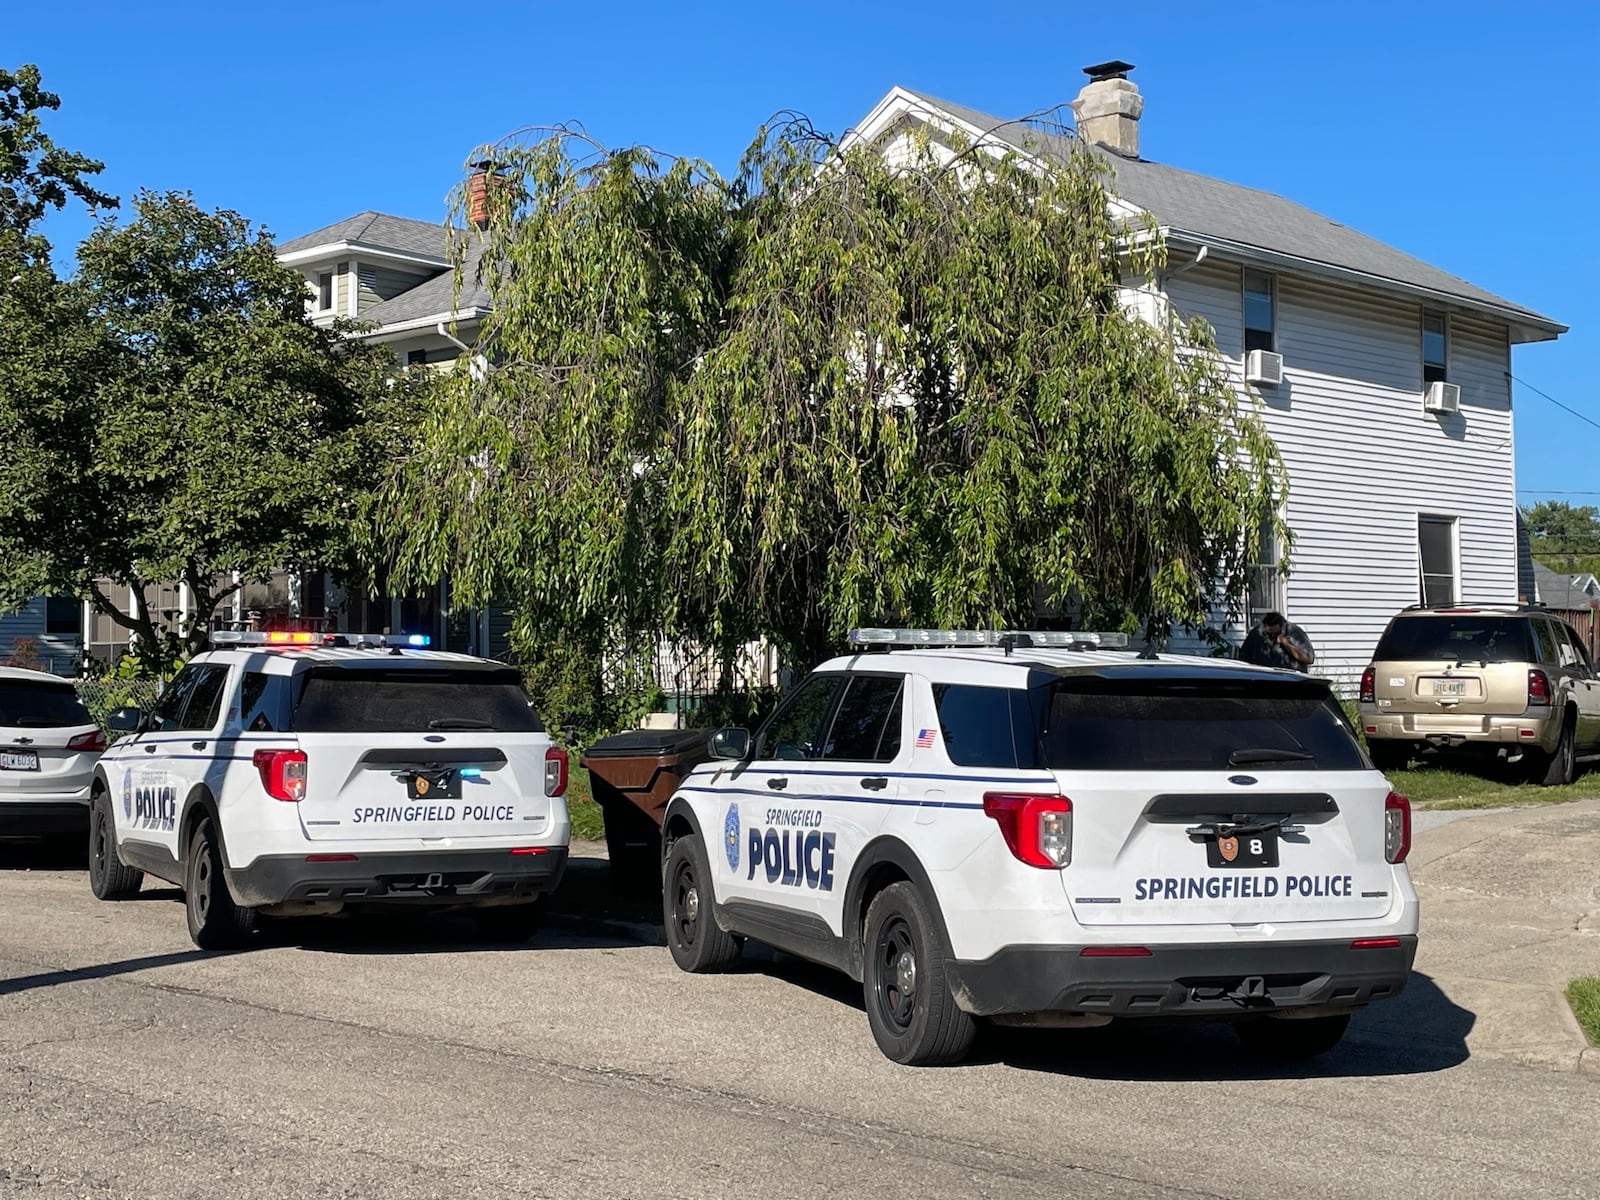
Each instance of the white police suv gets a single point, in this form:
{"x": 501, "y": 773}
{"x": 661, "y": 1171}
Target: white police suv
{"x": 291, "y": 774}
{"x": 1039, "y": 830}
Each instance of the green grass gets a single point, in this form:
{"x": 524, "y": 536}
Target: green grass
{"x": 588, "y": 821}
{"x": 1583, "y": 993}
{"x": 1443, "y": 787}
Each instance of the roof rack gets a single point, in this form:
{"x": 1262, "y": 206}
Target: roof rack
{"x": 291, "y": 639}
{"x": 1008, "y": 639}
{"x": 1509, "y": 605}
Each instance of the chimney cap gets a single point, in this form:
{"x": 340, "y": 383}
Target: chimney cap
{"x": 1115, "y": 69}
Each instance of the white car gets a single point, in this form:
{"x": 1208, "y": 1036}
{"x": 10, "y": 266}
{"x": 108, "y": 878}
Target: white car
{"x": 288, "y": 774}
{"x": 48, "y": 747}
{"x": 1052, "y": 836}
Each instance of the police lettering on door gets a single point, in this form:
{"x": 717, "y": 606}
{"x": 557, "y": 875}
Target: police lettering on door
{"x": 150, "y": 800}
{"x": 790, "y": 847}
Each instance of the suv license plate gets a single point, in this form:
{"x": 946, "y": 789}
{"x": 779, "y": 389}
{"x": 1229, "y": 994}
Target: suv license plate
{"x": 1243, "y": 850}
{"x": 19, "y": 760}
{"x": 433, "y": 785}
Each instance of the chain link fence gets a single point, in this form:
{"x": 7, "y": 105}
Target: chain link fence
{"x": 100, "y": 696}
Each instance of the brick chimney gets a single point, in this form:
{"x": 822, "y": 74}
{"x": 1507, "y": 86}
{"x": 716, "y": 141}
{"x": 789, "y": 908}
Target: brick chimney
{"x": 478, "y": 185}
{"x": 1108, "y": 108}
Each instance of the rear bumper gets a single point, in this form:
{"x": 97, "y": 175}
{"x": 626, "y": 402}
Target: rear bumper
{"x": 42, "y": 818}
{"x": 1214, "y": 981}
{"x": 431, "y": 877}
{"x": 1487, "y": 732}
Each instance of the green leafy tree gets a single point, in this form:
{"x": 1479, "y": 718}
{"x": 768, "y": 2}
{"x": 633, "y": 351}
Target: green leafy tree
{"x": 36, "y": 175}
{"x": 824, "y": 392}
{"x": 177, "y": 417}
{"x": 1563, "y": 536}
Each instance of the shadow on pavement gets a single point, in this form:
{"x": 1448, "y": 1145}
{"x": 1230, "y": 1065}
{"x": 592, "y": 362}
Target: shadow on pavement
{"x": 402, "y": 933}
{"x": 127, "y": 966}
{"x": 56, "y": 853}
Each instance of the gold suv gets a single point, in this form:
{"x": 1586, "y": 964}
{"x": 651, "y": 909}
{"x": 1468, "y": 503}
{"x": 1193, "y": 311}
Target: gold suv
{"x": 1510, "y": 680}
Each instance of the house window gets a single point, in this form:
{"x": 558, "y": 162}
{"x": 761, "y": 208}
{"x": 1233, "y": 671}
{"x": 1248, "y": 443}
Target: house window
{"x": 1436, "y": 558}
{"x": 63, "y": 615}
{"x": 1433, "y": 348}
{"x": 1260, "y": 303}
{"x": 416, "y": 358}
{"x": 324, "y": 291}
{"x": 1266, "y": 575}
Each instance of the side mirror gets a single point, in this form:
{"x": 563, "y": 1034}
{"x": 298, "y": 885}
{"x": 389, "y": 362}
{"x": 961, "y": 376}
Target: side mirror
{"x": 730, "y": 742}
{"x": 124, "y": 720}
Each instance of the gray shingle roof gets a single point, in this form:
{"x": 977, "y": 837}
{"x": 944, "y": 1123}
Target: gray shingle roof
{"x": 1208, "y": 207}
{"x": 1562, "y": 589}
{"x": 433, "y": 296}
{"x": 379, "y": 230}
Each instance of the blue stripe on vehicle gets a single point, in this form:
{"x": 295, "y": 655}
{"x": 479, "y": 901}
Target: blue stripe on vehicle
{"x": 867, "y": 769}
{"x": 771, "y": 794}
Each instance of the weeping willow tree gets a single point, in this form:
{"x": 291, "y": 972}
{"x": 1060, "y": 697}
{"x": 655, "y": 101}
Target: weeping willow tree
{"x": 838, "y": 387}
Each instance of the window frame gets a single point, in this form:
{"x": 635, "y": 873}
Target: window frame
{"x": 1441, "y": 370}
{"x": 1453, "y": 526}
{"x": 55, "y": 627}
{"x": 1268, "y": 542}
{"x": 1244, "y": 310}
{"x": 327, "y": 286}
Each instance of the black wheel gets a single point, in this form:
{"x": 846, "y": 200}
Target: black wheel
{"x": 509, "y": 922}
{"x": 215, "y": 921}
{"x": 1275, "y": 1038}
{"x": 1390, "y": 756}
{"x": 697, "y": 942}
{"x": 1560, "y": 766}
{"x": 914, "y": 1018}
{"x": 108, "y": 878}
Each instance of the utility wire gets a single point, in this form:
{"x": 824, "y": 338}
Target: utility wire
{"x": 1581, "y": 416}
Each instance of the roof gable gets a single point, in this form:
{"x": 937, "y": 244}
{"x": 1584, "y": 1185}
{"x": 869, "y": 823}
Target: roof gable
{"x": 378, "y": 231}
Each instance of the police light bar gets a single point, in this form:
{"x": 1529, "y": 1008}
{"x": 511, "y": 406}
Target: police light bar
{"x": 1063, "y": 639}
{"x": 286, "y": 637}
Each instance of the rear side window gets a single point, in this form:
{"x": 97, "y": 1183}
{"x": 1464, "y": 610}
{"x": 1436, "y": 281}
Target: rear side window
{"x": 1467, "y": 637}
{"x": 1145, "y": 727}
{"x": 411, "y": 700}
{"x": 263, "y": 702}
{"x": 1546, "y": 640}
{"x": 25, "y": 704}
{"x": 867, "y": 725}
{"x": 985, "y": 726}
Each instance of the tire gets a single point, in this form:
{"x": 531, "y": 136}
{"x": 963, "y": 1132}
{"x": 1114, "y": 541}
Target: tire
{"x": 914, "y": 1017}
{"x": 509, "y": 922}
{"x": 108, "y": 878}
{"x": 698, "y": 944}
{"x": 1273, "y": 1038}
{"x": 215, "y": 921}
{"x": 1390, "y": 756}
{"x": 1560, "y": 766}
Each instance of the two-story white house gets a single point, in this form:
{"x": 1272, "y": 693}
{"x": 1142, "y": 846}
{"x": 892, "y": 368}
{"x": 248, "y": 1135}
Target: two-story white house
{"x": 1384, "y": 380}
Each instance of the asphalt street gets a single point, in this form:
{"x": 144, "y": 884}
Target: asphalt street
{"x": 397, "y": 1059}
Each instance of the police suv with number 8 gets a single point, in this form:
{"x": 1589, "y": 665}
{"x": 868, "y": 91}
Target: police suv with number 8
{"x": 1037, "y": 829}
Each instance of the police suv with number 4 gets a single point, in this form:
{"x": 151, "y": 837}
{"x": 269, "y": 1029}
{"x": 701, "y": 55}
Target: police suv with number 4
{"x": 297, "y": 774}
{"x": 1037, "y": 829}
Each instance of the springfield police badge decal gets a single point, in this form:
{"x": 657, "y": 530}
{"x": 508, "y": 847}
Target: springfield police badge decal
{"x": 730, "y": 836}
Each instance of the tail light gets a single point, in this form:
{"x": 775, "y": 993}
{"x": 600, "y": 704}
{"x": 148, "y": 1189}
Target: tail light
{"x": 555, "y": 771}
{"x": 94, "y": 740}
{"x": 1037, "y": 829}
{"x": 1538, "y": 689}
{"x": 1396, "y": 827}
{"x": 1369, "y": 689}
{"x": 283, "y": 773}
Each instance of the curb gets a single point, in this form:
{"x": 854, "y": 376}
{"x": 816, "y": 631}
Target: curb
{"x": 1589, "y": 1061}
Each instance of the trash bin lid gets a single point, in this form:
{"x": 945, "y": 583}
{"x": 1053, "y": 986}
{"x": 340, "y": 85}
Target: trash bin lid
{"x": 648, "y": 743}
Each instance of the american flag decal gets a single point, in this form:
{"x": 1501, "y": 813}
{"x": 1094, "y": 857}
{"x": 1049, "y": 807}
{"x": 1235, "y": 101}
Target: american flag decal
{"x": 924, "y": 739}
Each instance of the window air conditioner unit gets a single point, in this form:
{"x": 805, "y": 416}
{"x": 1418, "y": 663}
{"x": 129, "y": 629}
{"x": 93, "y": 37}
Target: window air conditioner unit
{"x": 1442, "y": 398}
{"x": 1263, "y": 366}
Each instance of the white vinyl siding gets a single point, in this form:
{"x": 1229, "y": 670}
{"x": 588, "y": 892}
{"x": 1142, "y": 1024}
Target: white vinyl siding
{"x": 1365, "y": 460}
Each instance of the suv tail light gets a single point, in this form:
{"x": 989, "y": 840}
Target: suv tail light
{"x": 1369, "y": 689}
{"x": 1396, "y": 827}
{"x": 1037, "y": 829}
{"x": 283, "y": 773}
{"x": 555, "y": 771}
{"x": 93, "y": 740}
{"x": 1538, "y": 689}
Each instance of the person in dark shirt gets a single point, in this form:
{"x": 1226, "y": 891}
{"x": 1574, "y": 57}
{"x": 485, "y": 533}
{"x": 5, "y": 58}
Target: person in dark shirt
{"x": 1278, "y": 643}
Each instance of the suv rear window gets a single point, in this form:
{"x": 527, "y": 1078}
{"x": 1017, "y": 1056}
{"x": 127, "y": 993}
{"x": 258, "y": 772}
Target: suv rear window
{"x": 1149, "y": 725}
{"x": 1465, "y": 637}
{"x": 25, "y": 704}
{"x": 414, "y": 700}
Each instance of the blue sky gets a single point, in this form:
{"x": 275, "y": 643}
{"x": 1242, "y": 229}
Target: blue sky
{"x": 1465, "y": 133}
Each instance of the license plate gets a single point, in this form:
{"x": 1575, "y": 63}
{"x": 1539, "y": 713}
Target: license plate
{"x": 1450, "y": 687}
{"x": 1243, "y": 850}
{"x": 433, "y": 785}
{"x": 19, "y": 760}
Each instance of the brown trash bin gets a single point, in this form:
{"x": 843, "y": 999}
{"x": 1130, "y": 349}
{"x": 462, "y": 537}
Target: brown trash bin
{"x": 632, "y": 775}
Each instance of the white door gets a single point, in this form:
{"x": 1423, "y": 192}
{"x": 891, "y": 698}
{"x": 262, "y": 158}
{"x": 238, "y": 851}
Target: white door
{"x": 165, "y": 762}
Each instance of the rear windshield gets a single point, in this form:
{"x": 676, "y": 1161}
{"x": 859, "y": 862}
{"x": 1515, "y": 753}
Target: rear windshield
{"x": 416, "y": 700}
{"x": 1467, "y": 637}
{"x": 1143, "y": 726}
{"x": 25, "y": 704}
